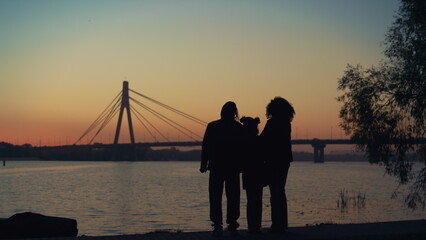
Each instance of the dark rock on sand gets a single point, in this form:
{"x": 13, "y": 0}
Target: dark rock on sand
{"x": 34, "y": 225}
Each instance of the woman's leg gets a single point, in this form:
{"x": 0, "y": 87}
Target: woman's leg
{"x": 279, "y": 210}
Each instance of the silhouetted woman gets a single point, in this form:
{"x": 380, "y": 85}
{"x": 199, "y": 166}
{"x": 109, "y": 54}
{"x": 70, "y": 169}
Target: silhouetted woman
{"x": 221, "y": 155}
{"x": 276, "y": 142}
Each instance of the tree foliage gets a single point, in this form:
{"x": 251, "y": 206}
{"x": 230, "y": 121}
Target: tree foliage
{"x": 384, "y": 107}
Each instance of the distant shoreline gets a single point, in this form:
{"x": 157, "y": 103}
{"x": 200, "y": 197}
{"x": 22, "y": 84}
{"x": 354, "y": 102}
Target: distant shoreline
{"x": 298, "y": 157}
{"x": 10, "y": 152}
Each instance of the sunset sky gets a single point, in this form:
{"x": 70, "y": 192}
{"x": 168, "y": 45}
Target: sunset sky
{"x": 62, "y": 62}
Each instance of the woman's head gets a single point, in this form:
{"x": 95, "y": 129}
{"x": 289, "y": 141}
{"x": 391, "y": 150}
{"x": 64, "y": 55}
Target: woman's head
{"x": 280, "y": 108}
{"x": 229, "y": 111}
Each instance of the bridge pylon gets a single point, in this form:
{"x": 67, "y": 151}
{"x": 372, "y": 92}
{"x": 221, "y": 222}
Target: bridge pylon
{"x": 318, "y": 146}
{"x": 125, "y": 105}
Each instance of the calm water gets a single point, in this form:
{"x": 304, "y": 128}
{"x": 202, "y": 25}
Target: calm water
{"x": 135, "y": 197}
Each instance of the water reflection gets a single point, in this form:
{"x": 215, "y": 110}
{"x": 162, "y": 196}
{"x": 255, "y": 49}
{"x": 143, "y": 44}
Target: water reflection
{"x": 134, "y": 197}
{"x": 51, "y": 168}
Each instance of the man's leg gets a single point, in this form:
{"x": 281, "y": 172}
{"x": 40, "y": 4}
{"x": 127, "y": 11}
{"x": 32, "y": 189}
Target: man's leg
{"x": 232, "y": 189}
{"x": 215, "y": 196}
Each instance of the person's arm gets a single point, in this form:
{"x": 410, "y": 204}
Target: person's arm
{"x": 265, "y": 141}
{"x": 266, "y": 131}
{"x": 205, "y": 150}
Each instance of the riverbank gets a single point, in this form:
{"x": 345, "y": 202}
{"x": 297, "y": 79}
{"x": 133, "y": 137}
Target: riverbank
{"x": 413, "y": 230}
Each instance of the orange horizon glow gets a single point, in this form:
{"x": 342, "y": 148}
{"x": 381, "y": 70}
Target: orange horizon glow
{"x": 62, "y": 62}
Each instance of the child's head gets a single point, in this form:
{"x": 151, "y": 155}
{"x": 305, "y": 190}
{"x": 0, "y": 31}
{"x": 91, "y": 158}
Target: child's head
{"x": 250, "y": 124}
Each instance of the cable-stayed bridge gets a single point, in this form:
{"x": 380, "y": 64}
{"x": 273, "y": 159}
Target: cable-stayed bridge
{"x": 133, "y": 107}
{"x": 121, "y": 104}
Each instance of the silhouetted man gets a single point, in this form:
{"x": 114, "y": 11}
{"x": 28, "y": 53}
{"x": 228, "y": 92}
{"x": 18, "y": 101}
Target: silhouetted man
{"x": 221, "y": 153}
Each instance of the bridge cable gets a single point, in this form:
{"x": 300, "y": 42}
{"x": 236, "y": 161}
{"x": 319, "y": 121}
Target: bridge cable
{"x": 96, "y": 123}
{"x": 105, "y": 123}
{"x": 100, "y": 118}
{"x": 143, "y": 124}
{"x": 146, "y": 127}
{"x": 103, "y": 114}
{"x": 161, "y": 117}
{"x": 152, "y": 125}
{"x": 190, "y": 117}
{"x": 166, "y": 119}
{"x": 107, "y": 117}
{"x": 112, "y": 113}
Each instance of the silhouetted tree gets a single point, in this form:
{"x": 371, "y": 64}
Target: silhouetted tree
{"x": 384, "y": 107}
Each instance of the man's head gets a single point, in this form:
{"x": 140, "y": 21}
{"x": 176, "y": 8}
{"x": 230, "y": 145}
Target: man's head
{"x": 229, "y": 111}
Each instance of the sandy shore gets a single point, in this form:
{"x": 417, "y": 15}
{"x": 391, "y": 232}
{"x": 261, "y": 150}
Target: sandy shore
{"x": 413, "y": 230}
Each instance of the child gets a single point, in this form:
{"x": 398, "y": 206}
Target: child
{"x": 253, "y": 179}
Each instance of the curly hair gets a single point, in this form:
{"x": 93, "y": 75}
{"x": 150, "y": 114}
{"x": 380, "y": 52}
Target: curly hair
{"x": 280, "y": 108}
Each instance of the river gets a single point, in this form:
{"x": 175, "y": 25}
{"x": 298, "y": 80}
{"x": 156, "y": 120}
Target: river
{"x": 136, "y": 197}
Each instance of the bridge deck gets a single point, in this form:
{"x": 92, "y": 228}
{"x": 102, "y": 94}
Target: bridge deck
{"x": 198, "y": 143}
